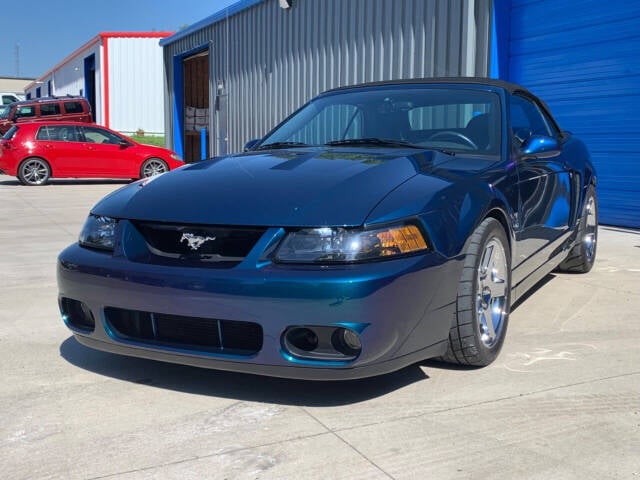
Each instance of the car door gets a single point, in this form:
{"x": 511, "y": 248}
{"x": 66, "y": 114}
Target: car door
{"x": 62, "y": 149}
{"x": 109, "y": 156}
{"x": 545, "y": 187}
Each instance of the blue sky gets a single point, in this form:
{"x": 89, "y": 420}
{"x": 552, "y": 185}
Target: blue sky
{"x": 52, "y": 30}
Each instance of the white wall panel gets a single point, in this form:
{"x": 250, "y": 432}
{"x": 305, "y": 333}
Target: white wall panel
{"x": 136, "y": 85}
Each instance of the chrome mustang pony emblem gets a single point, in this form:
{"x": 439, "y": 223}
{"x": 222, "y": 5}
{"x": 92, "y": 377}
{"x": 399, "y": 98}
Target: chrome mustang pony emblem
{"x": 195, "y": 241}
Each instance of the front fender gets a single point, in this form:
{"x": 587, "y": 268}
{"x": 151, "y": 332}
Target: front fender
{"x": 449, "y": 211}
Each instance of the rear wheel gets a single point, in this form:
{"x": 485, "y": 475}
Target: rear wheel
{"x": 483, "y": 301}
{"x": 153, "y": 166}
{"x": 34, "y": 171}
{"x": 583, "y": 254}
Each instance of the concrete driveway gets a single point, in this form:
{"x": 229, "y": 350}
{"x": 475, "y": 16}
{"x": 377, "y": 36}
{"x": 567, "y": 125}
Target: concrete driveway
{"x": 561, "y": 402}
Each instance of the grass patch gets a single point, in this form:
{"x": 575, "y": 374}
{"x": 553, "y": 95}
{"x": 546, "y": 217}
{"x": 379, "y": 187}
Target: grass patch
{"x": 149, "y": 140}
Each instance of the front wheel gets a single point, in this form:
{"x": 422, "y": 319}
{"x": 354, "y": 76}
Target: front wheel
{"x": 483, "y": 300}
{"x": 34, "y": 171}
{"x": 153, "y": 166}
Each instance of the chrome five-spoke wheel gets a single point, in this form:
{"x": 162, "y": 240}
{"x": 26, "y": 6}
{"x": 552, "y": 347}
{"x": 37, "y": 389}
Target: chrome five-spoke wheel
{"x": 591, "y": 229}
{"x": 491, "y": 295}
{"x": 483, "y": 300}
{"x": 583, "y": 254}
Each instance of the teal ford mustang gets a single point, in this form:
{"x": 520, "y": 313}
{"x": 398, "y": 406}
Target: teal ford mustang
{"x": 377, "y": 226}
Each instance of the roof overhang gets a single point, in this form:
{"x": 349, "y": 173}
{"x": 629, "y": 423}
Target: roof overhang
{"x": 211, "y": 20}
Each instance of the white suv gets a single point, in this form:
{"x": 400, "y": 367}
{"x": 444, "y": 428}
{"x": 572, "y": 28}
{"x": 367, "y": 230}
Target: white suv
{"x": 10, "y": 97}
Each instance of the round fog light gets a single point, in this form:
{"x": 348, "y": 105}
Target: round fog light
{"x": 351, "y": 339}
{"x": 346, "y": 342}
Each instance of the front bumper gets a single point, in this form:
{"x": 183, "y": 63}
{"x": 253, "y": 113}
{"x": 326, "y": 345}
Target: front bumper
{"x": 403, "y": 306}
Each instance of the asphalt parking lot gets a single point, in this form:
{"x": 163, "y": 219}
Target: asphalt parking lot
{"x": 561, "y": 402}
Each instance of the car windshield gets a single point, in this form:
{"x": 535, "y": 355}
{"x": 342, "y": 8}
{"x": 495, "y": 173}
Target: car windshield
{"x": 4, "y": 111}
{"x": 450, "y": 119}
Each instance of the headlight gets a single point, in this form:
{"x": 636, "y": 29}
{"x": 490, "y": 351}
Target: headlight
{"x": 175, "y": 156}
{"x": 342, "y": 245}
{"x": 98, "y": 232}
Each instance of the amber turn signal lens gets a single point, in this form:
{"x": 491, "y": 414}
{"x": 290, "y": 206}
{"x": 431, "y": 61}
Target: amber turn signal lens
{"x": 403, "y": 239}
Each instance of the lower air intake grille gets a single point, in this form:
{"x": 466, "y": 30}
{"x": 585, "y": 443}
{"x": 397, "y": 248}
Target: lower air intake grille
{"x": 187, "y": 333}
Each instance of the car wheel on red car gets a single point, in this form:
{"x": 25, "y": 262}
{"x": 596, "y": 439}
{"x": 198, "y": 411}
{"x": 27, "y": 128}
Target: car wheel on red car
{"x": 34, "y": 171}
{"x": 153, "y": 166}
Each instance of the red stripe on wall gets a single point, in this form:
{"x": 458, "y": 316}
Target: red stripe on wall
{"x": 105, "y": 77}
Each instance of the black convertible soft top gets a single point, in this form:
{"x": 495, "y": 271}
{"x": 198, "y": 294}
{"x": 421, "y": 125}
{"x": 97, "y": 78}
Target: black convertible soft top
{"x": 510, "y": 87}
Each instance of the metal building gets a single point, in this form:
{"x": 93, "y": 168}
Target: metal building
{"x": 240, "y": 71}
{"x": 250, "y": 65}
{"x": 120, "y": 73}
{"x": 583, "y": 60}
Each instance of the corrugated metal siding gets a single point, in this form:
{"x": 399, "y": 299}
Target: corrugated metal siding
{"x": 136, "y": 85}
{"x": 583, "y": 60}
{"x": 272, "y": 60}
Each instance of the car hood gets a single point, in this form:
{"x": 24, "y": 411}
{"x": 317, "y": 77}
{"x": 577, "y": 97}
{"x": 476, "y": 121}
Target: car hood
{"x": 297, "y": 187}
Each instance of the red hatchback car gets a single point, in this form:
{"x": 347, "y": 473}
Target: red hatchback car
{"x": 35, "y": 152}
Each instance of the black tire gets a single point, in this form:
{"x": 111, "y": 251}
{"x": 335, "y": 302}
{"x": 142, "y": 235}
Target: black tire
{"x": 583, "y": 254}
{"x": 153, "y": 166}
{"x": 34, "y": 171}
{"x": 476, "y": 338}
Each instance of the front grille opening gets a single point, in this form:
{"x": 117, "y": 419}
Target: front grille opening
{"x": 188, "y": 333}
{"x": 77, "y": 314}
{"x": 198, "y": 245}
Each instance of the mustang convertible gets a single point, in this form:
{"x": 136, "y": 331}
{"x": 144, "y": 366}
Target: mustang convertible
{"x": 377, "y": 226}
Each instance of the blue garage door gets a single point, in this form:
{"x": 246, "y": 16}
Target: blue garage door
{"x": 583, "y": 58}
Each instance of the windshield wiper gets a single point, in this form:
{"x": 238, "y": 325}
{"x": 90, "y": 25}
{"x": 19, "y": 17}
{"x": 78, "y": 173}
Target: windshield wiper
{"x": 381, "y": 142}
{"x": 274, "y": 145}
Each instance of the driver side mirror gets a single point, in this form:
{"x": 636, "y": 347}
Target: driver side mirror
{"x": 124, "y": 144}
{"x": 250, "y": 144}
{"x": 540, "y": 146}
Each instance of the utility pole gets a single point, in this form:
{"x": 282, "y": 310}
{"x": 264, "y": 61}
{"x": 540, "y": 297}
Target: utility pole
{"x": 17, "y": 60}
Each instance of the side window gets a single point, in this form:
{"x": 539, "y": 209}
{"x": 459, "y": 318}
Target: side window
{"x": 47, "y": 109}
{"x": 73, "y": 107}
{"x": 527, "y": 119}
{"x": 26, "y": 111}
{"x": 58, "y": 133}
{"x": 98, "y": 135}
{"x": 336, "y": 122}
{"x": 48, "y": 133}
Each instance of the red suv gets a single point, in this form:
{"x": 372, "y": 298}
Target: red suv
{"x": 37, "y": 151}
{"x": 48, "y": 109}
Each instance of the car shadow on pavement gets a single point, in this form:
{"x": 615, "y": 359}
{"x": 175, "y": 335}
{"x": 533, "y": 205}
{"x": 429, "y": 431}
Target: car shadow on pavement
{"x": 237, "y": 386}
